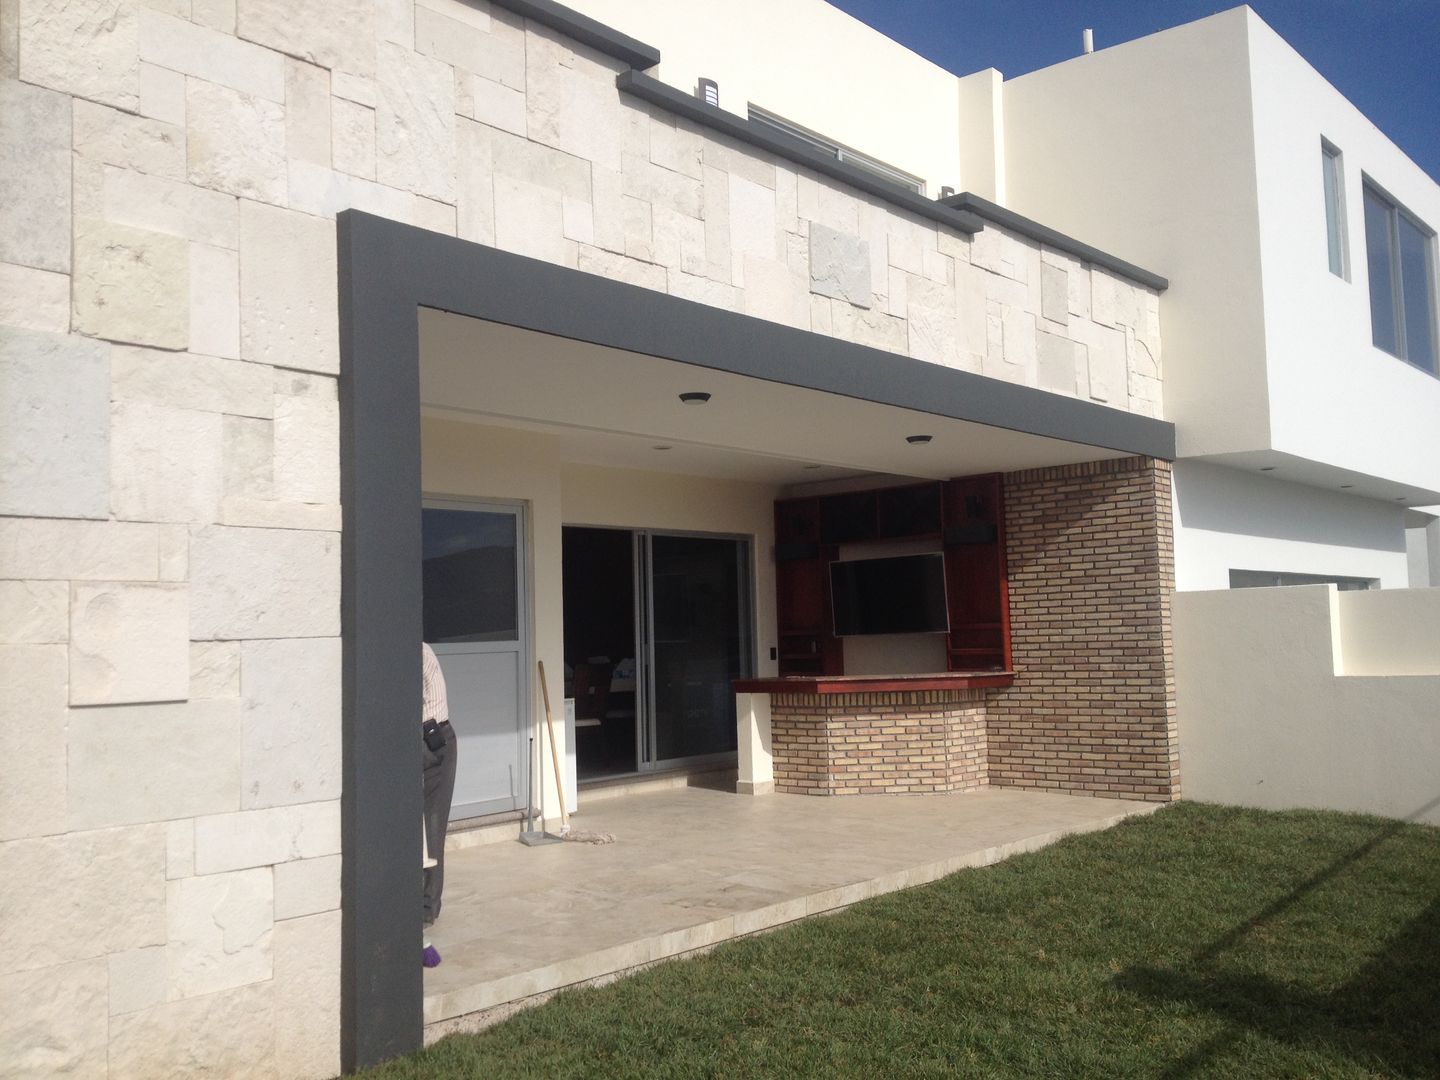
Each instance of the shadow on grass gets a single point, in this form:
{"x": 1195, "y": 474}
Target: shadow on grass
{"x": 1386, "y": 1018}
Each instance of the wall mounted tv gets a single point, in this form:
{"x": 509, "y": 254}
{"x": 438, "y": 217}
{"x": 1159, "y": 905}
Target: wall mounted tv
{"x": 899, "y": 595}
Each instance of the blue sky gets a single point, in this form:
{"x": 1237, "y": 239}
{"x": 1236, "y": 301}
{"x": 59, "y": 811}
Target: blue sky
{"x": 1384, "y": 55}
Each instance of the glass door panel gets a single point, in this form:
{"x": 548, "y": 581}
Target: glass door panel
{"x": 699, "y": 643}
{"x": 472, "y": 580}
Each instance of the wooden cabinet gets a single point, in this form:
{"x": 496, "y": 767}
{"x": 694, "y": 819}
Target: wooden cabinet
{"x": 975, "y": 575}
{"x": 964, "y": 516}
{"x": 807, "y": 644}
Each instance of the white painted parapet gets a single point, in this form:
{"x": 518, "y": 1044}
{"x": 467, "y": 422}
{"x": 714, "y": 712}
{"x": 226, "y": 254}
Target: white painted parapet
{"x": 1390, "y": 632}
{"x": 752, "y": 728}
{"x": 1307, "y": 697}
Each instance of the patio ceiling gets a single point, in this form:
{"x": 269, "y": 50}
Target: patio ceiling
{"x": 609, "y": 406}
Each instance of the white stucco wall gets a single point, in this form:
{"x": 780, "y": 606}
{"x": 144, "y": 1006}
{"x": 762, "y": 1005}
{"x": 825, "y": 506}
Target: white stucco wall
{"x": 1226, "y": 519}
{"x": 1266, "y": 719}
{"x": 1196, "y": 152}
{"x": 1153, "y": 141}
{"x": 1334, "y": 396}
{"x": 811, "y": 64}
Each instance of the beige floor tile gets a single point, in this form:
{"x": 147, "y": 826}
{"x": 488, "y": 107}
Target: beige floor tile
{"x": 691, "y": 867}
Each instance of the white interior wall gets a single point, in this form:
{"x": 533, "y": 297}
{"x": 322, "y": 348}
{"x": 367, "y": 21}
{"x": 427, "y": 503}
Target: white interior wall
{"x": 1334, "y": 396}
{"x": 1227, "y": 519}
{"x": 1146, "y": 150}
{"x": 804, "y": 60}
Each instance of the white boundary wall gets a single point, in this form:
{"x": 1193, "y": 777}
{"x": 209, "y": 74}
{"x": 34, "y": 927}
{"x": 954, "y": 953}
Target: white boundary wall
{"x": 1308, "y": 697}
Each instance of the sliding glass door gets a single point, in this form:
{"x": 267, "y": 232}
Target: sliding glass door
{"x": 700, "y": 642}
{"x": 652, "y": 647}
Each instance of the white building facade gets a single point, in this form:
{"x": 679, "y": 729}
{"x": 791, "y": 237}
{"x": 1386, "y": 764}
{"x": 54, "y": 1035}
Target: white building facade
{"x": 191, "y": 483}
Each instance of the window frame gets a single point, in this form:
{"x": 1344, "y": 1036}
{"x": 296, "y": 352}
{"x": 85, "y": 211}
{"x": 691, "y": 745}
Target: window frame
{"x": 1282, "y": 579}
{"x": 842, "y": 153}
{"x": 1394, "y": 212}
{"x": 1337, "y": 231}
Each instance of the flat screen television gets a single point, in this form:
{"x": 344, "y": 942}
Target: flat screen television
{"x": 898, "y": 595}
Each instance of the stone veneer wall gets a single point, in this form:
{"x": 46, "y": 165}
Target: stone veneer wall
{"x": 169, "y": 454}
{"x": 915, "y": 742}
{"x": 1091, "y": 566}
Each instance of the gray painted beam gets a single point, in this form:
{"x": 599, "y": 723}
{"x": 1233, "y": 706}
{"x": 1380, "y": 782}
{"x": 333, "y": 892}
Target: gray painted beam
{"x": 380, "y": 801}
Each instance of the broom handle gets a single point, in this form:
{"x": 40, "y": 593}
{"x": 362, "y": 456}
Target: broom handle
{"x": 554, "y": 753}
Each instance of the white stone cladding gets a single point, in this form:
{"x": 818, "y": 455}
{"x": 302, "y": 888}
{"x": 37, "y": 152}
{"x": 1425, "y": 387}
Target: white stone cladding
{"x": 169, "y": 450}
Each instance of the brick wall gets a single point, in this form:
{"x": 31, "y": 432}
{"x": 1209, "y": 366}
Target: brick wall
{"x": 919, "y": 742}
{"x": 1091, "y": 567}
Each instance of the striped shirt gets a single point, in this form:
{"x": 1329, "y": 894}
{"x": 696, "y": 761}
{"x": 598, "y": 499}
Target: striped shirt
{"x": 432, "y": 688}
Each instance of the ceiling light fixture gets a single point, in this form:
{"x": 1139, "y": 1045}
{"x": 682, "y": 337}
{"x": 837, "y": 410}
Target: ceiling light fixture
{"x": 1267, "y": 468}
{"x": 810, "y": 466}
{"x": 662, "y": 447}
{"x": 1344, "y": 486}
{"x": 695, "y": 397}
{"x": 915, "y": 440}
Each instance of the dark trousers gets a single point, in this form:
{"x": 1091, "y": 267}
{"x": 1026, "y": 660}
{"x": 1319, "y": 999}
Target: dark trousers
{"x": 439, "y": 788}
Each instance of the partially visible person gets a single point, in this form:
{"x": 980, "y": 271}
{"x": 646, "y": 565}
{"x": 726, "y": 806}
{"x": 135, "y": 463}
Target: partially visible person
{"x": 439, "y": 773}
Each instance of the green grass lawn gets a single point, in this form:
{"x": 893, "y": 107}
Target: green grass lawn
{"x": 1196, "y": 942}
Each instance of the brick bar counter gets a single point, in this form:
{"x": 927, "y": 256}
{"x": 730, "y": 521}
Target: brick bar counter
{"x": 856, "y": 735}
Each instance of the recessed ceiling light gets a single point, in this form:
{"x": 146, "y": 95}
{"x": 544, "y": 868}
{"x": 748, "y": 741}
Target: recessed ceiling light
{"x": 810, "y": 466}
{"x": 1267, "y": 468}
{"x": 695, "y": 397}
{"x": 662, "y": 447}
{"x": 1343, "y": 486}
{"x": 918, "y": 438}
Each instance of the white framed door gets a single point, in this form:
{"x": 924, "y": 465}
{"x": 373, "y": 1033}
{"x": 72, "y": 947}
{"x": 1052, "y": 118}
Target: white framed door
{"x": 476, "y": 619}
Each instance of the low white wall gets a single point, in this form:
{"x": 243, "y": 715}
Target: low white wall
{"x": 1391, "y": 632}
{"x": 1227, "y": 520}
{"x": 1267, "y": 720}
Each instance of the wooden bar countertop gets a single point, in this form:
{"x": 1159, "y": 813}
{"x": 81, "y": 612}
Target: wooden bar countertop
{"x": 874, "y": 684}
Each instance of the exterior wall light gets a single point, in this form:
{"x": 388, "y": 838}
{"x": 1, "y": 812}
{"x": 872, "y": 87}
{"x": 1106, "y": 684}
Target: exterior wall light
{"x": 709, "y": 92}
{"x": 695, "y": 397}
{"x": 917, "y": 439}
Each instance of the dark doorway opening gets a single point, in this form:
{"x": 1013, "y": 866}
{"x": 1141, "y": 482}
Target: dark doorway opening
{"x": 598, "y": 579}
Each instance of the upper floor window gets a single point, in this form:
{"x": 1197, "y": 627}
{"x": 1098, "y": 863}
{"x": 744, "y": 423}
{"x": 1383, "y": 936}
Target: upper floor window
{"x": 1398, "y": 252}
{"x": 1334, "y": 176}
{"x": 840, "y": 153}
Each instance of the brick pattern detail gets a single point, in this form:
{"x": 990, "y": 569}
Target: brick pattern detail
{"x": 919, "y": 742}
{"x": 1092, "y": 711}
{"x": 1091, "y": 561}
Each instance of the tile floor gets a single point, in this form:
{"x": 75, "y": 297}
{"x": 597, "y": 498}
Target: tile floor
{"x": 693, "y": 867}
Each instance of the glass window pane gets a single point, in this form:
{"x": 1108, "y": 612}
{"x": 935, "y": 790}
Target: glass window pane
{"x": 468, "y": 576}
{"x": 701, "y": 642}
{"x": 1334, "y": 228}
{"x": 1417, "y": 289}
{"x": 1378, "y": 259}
